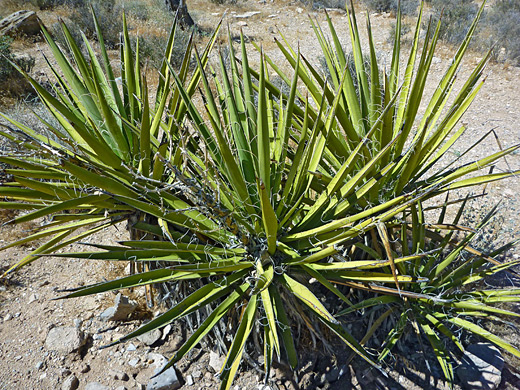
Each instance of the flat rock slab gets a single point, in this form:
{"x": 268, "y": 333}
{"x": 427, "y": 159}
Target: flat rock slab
{"x": 20, "y": 23}
{"x": 64, "y": 339}
{"x": 481, "y": 367}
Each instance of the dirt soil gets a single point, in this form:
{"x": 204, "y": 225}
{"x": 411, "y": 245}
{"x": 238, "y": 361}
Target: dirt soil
{"x": 28, "y": 310}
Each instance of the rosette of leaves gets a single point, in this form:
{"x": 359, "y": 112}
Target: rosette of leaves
{"x": 248, "y": 192}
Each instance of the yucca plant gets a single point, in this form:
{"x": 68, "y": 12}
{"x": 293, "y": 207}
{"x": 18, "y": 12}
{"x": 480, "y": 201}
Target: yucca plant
{"x": 454, "y": 296}
{"x": 252, "y": 193}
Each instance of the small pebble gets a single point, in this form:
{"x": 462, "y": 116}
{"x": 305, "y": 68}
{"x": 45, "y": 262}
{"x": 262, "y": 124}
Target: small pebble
{"x": 134, "y": 362}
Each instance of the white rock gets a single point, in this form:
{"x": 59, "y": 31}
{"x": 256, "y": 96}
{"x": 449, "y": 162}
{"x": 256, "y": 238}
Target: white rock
{"x": 150, "y": 338}
{"x": 246, "y": 15}
{"x": 64, "y": 339}
{"x": 134, "y": 362}
{"x": 167, "y": 380}
{"x": 166, "y": 331}
{"x": 96, "y": 386}
{"x": 241, "y": 24}
{"x": 122, "y": 308}
{"x": 32, "y": 298}
{"x": 216, "y": 361}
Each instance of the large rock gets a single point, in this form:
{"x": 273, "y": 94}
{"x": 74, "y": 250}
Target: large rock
{"x": 481, "y": 367}
{"x": 121, "y": 310}
{"x": 20, "y": 23}
{"x": 64, "y": 339}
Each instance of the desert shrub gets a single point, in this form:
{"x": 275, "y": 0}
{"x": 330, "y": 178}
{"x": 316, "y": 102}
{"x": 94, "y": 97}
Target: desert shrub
{"x": 12, "y": 84}
{"x": 456, "y": 17}
{"x": 6, "y": 69}
{"x": 109, "y": 14}
{"x": 501, "y": 26}
{"x": 224, "y": 1}
{"x": 405, "y": 30}
{"x": 151, "y": 48}
{"x": 46, "y": 4}
{"x": 137, "y": 10}
{"x": 264, "y": 207}
{"x": 408, "y": 7}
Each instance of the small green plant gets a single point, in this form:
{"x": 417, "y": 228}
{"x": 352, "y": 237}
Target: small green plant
{"x": 253, "y": 201}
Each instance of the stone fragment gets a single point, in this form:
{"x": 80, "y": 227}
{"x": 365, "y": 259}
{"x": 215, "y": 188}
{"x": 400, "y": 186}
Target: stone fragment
{"x": 121, "y": 388}
{"x": 167, "y": 380}
{"x": 122, "y": 308}
{"x": 189, "y": 380}
{"x": 39, "y": 365}
{"x": 131, "y": 347}
{"x": 134, "y": 362}
{"x": 32, "y": 298}
{"x": 119, "y": 375}
{"x": 70, "y": 383}
{"x": 84, "y": 367}
{"x": 242, "y": 24}
{"x": 65, "y": 372}
{"x": 246, "y": 15}
{"x": 150, "y": 338}
{"x": 166, "y": 331}
{"x": 215, "y": 361}
{"x": 64, "y": 339}
{"x": 96, "y": 386}
{"x": 481, "y": 367}
{"x": 20, "y": 23}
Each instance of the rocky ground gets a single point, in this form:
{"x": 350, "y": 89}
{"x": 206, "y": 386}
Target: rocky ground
{"x": 54, "y": 344}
